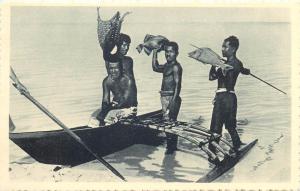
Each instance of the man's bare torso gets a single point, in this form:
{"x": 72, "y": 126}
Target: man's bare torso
{"x": 168, "y": 82}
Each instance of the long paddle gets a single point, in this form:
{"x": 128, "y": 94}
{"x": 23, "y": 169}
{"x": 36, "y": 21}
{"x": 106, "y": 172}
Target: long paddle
{"x": 66, "y": 129}
{"x": 267, "y": 83}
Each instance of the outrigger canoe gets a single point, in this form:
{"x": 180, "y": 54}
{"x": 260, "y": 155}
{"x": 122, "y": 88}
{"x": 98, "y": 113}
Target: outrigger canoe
{"x": 82, "y": 144}
{"x": 57, "y": 147}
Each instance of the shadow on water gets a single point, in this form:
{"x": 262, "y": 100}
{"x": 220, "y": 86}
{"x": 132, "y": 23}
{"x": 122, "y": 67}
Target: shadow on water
{"x": 168, "y": 172}
{"x": 150, "y": 161}
{"x": 198, "y": 121}
{"x": 170, "y": 168}
{"x": 172, "y": 171}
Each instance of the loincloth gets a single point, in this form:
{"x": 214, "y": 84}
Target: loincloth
{"x": 166, "y": 93}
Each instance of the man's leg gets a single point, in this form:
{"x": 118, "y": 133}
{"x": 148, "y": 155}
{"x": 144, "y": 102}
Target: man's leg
{"x": 171, "y": 138}
{"x": 164, "y": 106}
{"x": 217, "y": 121}
{"x": 93, "y": 121}
{"x": 230, "y": 123}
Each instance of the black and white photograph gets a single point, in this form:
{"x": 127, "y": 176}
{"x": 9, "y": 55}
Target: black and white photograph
{"x": 151, "y": 94}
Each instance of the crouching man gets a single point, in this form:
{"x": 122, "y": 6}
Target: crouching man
{"x": 124, "y": 96}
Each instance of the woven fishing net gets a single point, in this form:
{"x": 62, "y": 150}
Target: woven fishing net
{"x": 109, "y": 30}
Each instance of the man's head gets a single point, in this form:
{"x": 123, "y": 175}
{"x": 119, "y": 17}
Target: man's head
{"x": 123, "y": 44}
{"x": 171, "y": 51}
{"x": 115, "y": 70}
{"x": 230, "y": 46}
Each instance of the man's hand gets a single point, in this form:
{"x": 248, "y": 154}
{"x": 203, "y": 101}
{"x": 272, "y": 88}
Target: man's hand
{"x": 114, "y": 104}
{"x": 98, "y": 13}
{"x": 160, "y": 48}
{"x": 101, "y": 123}
{"x": 172, "y": 104}
{"x": 246, "y": 71}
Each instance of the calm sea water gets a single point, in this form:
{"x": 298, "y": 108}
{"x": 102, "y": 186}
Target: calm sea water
{"x": 59, "y": 60}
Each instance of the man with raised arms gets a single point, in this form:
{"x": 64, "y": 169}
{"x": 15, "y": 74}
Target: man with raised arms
{"x": 170, "y": 88}
{"x": 225, "y": 103}
{"x": 123, "y": 45}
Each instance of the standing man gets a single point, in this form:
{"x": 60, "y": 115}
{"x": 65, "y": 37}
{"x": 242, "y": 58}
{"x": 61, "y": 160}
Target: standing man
{"x": 170, "y": 88}
{"x": 225, "y": 103}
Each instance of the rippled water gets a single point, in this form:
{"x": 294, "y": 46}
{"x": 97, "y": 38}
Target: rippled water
{"x": 57, "y": 56}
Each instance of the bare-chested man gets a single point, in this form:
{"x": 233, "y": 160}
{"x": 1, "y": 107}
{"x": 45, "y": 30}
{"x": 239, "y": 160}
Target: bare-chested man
{"x": 225, "y": 103}
{"x": 122, "y": 48}
{"x": 170, "y": 88}
{"x": 122, "y": 89}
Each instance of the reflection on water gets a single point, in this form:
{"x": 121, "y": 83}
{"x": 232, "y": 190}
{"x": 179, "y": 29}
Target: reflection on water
{"x": 62, "y": 66}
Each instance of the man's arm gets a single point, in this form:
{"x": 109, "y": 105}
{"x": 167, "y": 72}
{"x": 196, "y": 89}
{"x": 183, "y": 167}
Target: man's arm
{"x": 107, "y": 48}
{"x": 124, "y": 99}
{"x": 177, "y": 75}
{"x": 129, "y": 62}
{"x": 155, "y": 65}
{"x": 213, "y": 73}
{"x": 244, "y": 71}
{"x": 106, "y": 106}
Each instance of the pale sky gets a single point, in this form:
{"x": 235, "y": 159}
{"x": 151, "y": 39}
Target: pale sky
{"x": 152, "y": 14}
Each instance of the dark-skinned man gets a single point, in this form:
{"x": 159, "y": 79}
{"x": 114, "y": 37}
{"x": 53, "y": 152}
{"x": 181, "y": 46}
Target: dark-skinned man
{"x": 225, "y": 102}
{"x": 123, "y": 87}
{"x": 123, "y": 45}
{"x": 120, "y": 85}
{"x": 170, "y": 88}
{"x": 124, "y": 100}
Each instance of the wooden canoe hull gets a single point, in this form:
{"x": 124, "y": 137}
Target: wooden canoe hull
{"x": 57, "y": 147}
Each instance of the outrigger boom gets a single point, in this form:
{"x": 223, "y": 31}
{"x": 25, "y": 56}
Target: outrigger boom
{"x": 198, "y": 136}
